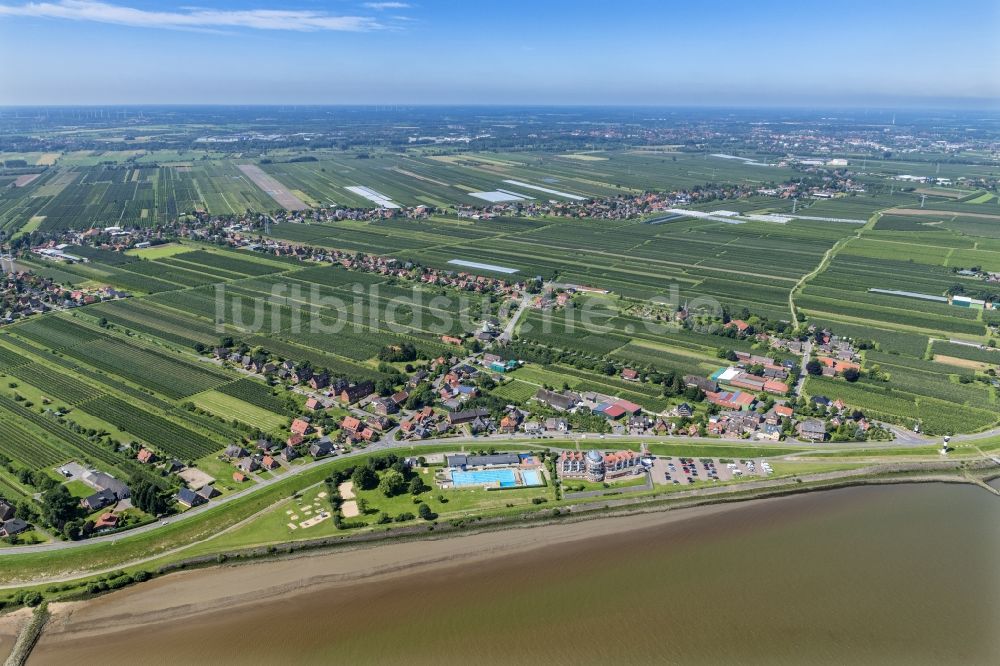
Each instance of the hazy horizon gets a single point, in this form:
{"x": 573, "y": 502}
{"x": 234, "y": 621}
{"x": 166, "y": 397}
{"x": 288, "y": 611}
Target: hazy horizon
{"x": 911, "y": 106}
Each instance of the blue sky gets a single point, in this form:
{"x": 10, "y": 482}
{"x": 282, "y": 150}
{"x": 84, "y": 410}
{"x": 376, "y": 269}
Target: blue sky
{"x": 617, "y": 52}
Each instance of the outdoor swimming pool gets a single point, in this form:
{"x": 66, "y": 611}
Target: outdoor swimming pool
{"x": 531, "y": 477}
{"x": 505, "y": 477}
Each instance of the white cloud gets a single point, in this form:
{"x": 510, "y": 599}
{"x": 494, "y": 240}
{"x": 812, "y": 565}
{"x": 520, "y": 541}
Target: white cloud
{"x": 192, "y": 19}
{"x": 379, "y": 6}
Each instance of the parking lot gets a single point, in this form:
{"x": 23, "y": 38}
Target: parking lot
{"x": 683, "y": 471}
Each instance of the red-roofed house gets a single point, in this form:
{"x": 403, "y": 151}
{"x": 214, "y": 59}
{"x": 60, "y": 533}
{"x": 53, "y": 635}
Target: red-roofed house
{"x": 350, "y": 425}
{"x": 301, "y": 426}
{"x": 727, "y": 400}
{"x": 838, "y": 366}
{"x": 774, "y": 386}
{"x": 783, "y": 410}
{"x": 314, "y": 403}
{"x": 630, "y": 375}
{"x": 106, "y": 521}
{"x": 508, "y": 424}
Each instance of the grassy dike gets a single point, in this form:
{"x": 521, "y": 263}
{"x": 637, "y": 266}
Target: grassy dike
{"x": 180, "y": 534}
{"x": 204, "y": 552}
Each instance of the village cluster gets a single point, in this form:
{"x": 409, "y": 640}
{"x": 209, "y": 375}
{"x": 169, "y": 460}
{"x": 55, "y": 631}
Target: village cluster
{"x": 24, "y": 293}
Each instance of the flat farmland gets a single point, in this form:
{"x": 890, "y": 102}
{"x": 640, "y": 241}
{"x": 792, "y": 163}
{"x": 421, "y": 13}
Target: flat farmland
{"x": 229, "y": 407}
{"x": 126, "y": 194}
{"x": 753, "y": 265}
{"x": 933, "y": 406}
{"x": 447, "y": 180}
{"x": 272, "y": 187}
{"x": 917, "y": 262}
{"x": 922, "y": 378}
{"x": 138, "y": 187}
{"x": 96, "y": 402}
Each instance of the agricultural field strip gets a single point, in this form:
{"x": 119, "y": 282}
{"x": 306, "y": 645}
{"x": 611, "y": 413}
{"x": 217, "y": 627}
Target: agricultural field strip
{"x": 833, "y": 315}
{"x": 937, "y": 416}
{"x": 595, "y": 255}
{"x": 888, "y": 316}
{"x": 272, "y": 187}
{"x": 75, "y": 444}
{"x": 107, "y": 389}
{"x": 166, "y": 435}
{"x": 254, "y": 393}
{"x": 526, "y": 239}
{"x": 125, "y": 358}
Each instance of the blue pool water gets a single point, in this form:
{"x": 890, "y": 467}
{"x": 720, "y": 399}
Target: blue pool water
{"x": 531, "y": 477}
{"x": 479, "y": 477}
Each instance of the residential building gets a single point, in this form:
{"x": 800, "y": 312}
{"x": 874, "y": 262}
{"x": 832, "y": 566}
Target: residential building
{"x": 189, "y": 498}
{"x": 813, "y": 430}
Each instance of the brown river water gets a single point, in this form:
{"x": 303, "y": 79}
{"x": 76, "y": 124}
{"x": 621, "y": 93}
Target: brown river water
{"x": 888, "y": 574}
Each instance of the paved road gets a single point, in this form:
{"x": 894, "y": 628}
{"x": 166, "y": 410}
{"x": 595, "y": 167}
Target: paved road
{"x": 508, "y": 330}
{"x": 806, "y": 351}
{"x": 580, "y": 441}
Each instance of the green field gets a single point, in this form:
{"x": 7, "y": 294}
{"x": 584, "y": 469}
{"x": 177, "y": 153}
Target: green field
{"x": 228, "y": 407}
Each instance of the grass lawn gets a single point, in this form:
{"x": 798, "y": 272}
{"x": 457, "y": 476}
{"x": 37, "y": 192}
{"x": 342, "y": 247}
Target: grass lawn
{"x": 792, "y": 467}
{"x": 79, "y": 489}
{"x": 716, "y": 449}
{"x": 456, "y": 500}
{"x": 31, "y": 537}
{"x": 274, "y": 525}
{"x": 38, "y": 397}
{"x": 538, "y": 376}
{"x": 222, "y": 472}
{"x": 516, "y": 390}
{"x": 159, "y": 251}
{"x": 579, "y": 485}
{"x": 229, "y": 407}
{"x": 879, "y": 453}
{"x": 32, "y": 225}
